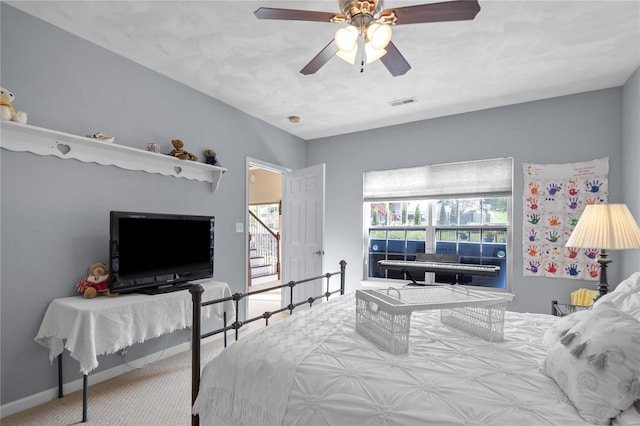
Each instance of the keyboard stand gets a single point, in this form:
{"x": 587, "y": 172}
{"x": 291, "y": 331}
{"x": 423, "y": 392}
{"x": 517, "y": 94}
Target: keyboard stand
{"x": 414, "y": 283}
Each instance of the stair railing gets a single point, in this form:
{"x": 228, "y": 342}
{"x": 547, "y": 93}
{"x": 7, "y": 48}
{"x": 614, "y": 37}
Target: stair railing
{"x": 266, "y": 243}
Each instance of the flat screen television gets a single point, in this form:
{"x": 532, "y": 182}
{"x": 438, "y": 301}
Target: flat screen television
{"x": 157, "y": 252}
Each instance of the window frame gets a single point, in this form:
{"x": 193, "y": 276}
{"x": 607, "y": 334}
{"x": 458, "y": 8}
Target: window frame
{"x": 480, "y": 179}
{"x": 431, "y": 229}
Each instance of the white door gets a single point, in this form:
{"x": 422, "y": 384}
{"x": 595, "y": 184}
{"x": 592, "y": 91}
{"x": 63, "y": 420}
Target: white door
{"x": 303, "y": 229}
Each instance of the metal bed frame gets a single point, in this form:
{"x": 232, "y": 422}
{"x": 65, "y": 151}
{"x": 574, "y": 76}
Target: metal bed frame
{"x": 196, "y": 291}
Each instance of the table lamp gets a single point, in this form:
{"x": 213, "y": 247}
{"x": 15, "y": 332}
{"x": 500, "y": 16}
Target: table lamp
{"x": 605, "y": 227}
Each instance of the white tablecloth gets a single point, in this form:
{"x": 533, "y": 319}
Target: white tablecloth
{"x": 104, "y": 325}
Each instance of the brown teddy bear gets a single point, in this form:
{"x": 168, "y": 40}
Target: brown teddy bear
{"x": 179, "y": 152}
{"x": 97, "y": 283}
{"x": 210, "y": 158}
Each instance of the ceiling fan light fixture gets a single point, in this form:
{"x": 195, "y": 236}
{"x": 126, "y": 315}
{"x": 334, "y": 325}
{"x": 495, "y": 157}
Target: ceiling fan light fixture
{"x": 349, "y": 56}
{"x": 379, "y": 35}
{"x": 346, "y": 38}
{"x": 372, "y": 54}
{"x": 369, "y": 28}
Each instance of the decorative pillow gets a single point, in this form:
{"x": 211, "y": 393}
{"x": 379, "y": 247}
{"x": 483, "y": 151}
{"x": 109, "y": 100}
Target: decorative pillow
{"x": 597, "y": 363}
{"x": 629, "y": 417}
{"x": 552, "y": 335}
{"x": 626, "y": 296}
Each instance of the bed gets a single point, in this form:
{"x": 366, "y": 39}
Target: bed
{"x": 315, "y": 369}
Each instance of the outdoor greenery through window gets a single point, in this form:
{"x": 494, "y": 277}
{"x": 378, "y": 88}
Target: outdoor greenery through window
{"x": 474, "y": 229}
{"x": 268, "y": 214}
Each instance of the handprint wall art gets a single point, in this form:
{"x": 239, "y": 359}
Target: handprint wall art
{"x": 554, "y": 197}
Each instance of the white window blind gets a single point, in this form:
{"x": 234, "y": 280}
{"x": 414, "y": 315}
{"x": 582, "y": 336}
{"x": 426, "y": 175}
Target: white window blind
{"x": 492, "y": 177}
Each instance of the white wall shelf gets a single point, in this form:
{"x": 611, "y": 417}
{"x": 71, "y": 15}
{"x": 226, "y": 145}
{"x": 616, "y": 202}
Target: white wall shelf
{"x": 26, "y": 138}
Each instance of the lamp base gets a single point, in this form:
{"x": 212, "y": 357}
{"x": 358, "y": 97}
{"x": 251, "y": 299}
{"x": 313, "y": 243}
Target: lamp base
{"x": 603, "y": 286}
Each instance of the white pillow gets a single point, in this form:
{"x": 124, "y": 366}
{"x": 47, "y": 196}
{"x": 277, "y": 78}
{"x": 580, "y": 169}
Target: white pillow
{"x": 597, "y": 363}
{"x": 552, "y": 335}
{"x": 626, "y": 296}
{"x": 629, "y": 417}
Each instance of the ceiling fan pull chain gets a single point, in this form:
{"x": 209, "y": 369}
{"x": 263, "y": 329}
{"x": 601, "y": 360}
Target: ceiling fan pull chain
{"x": 361, "y": 42}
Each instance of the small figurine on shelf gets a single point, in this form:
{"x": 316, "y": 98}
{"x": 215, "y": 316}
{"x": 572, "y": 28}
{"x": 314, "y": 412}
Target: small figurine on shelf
{"x": 153, "y": 147}
{"x": 97, "y": 283}
{"x": 210, "y": 158}
{"x": 179, "y": 152}
{"x": 100, "y": 137}
{"x": 7, "y": 112}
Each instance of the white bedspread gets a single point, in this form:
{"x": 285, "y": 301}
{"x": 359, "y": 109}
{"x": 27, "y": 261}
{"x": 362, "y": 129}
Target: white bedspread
{"x": 275, "y": 354}
{"x": 448, "y": 377}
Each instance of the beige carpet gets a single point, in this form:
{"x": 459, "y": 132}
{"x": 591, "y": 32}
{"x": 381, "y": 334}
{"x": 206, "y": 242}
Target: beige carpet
{"x": 263, "y": 302}
{"x": 158, "y": 394}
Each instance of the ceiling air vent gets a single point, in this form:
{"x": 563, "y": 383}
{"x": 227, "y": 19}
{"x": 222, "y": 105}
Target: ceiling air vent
{"x": 403, "y": 101}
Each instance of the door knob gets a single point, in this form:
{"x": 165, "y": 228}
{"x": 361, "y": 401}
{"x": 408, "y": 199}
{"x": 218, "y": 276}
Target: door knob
{"x": 320, "y": 252}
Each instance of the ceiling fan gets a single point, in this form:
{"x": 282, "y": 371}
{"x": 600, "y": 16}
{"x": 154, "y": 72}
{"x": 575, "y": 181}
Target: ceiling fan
{"x": 368, "y": 35}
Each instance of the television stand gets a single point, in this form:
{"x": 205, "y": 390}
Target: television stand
{"x": 162, "y": 289}
{"x": 69, "y": 323}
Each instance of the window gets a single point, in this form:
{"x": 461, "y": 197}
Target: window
{"x": 473, "y": 225}
{"x": 269, "y": 214}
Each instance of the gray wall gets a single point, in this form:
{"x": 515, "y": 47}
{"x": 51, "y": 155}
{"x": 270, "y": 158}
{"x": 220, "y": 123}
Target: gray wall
{"x": 54, "y": 215}
{"x": 630, "y": 166}
{"x": 566, "y": 129}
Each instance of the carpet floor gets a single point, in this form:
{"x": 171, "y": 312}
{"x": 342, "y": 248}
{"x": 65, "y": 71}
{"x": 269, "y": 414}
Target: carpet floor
{"x": 158, "y": 394}
{"x": 155, "y": 395}
{"x": 263, "y": 302}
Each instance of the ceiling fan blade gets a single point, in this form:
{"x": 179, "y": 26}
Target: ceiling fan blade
{"x": 462, "y": 10}
{"x": 295, "y": 15}
{"x": 394, "y": 61}
{"x": 320, "y": 59}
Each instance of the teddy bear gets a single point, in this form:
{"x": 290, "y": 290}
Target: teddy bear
{"x": 179, "y": 152}
{"x": 7, "y": 112}
{"x": 97, "y": 283}
{"x": 210, "y": 158}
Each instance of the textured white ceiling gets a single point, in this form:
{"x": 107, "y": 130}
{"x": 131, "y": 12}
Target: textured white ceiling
{"x": 514, "y": 51}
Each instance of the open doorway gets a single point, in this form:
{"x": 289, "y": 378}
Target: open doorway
{"x": 264, "y": 235}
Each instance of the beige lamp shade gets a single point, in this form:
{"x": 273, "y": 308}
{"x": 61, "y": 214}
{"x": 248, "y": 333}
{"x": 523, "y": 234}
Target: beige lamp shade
{"x": 346, "y": 38}
{"x": 377, "y": 38}
{"x": 379, "y": 35}
{"x": 606, "y": 226}
{"x": 372, "y": 54}
{"x": 349, "y": 57}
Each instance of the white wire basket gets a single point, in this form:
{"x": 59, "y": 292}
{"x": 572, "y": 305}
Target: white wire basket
{"x": 384, "y": 316}
{"x": 486, "y": 322}
{"x": 383, "y": 320}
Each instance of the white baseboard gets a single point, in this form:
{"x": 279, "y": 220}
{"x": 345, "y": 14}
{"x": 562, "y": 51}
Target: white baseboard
{"x": 51, "y": 394}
